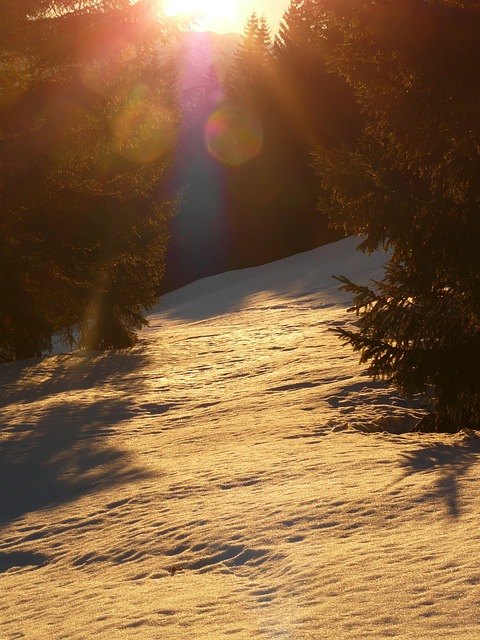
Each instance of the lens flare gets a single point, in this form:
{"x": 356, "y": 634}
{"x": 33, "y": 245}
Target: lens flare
{"x": 143, "y": 131}
{"x": 101, "y": 61}
{"x": 234, "y": 135}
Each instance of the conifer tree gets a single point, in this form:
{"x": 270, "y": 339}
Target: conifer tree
{"x": 311, "y": 106}
{"x": 412, "y": 185}
{"x": 316, "y": 99}
{"x": 287, "y": 83}
{"x": 247, "y": 75}
{"x": 251, "y": 186}
{"x": 88, "y": 122}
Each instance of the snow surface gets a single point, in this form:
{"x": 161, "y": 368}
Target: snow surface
{"x": 228, "y": 479}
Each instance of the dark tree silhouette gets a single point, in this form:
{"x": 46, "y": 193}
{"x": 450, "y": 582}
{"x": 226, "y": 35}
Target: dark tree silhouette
{"x": 286, "y": 84}
{"x": 88, "y": 122}
{"x": 413, "y": 185}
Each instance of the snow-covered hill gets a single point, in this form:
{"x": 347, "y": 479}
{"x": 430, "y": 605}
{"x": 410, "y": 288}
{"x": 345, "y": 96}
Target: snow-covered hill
{"x": 216, "y": 481}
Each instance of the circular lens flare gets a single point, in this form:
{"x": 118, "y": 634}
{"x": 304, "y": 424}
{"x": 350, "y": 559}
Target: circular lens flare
{"x": 234, "y": 135}
{"x": 143, "y": 130}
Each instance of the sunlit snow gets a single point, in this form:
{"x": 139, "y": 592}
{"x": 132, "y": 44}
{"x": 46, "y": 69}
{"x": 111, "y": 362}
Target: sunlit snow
{"x": 228, "y": 478}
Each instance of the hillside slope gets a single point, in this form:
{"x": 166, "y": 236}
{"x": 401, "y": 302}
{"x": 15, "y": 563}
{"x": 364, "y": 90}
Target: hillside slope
{"x": 216, "y": 481}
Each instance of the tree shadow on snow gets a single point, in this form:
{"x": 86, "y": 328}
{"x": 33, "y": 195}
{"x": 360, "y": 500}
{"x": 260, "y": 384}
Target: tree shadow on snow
{"x": 21, "y": 559}
{"x": 28, "y": 380}
{"x": 62, "y": 449}
{"x": 449, "y": 463}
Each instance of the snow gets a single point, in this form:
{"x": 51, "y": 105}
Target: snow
{"x": 229, "y": 478}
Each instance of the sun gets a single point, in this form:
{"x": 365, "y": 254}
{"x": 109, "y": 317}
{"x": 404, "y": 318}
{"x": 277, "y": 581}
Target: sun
{"x": 207, "y": 15}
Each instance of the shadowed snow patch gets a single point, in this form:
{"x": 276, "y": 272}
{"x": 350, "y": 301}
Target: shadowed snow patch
{"x": 230, "y": 556}
{"x": 21, "y": 559}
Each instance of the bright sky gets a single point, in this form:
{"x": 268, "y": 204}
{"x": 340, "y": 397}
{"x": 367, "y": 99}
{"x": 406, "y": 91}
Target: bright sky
{"x": 226, "y": 16}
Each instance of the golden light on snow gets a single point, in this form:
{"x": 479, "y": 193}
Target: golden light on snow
{"x": 208, "y": 15}
{"x": 218, "y": 479}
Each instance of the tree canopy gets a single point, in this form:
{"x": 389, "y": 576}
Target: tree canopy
{"x": 88, "y": 122}
{"x": 413, "y": 185}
